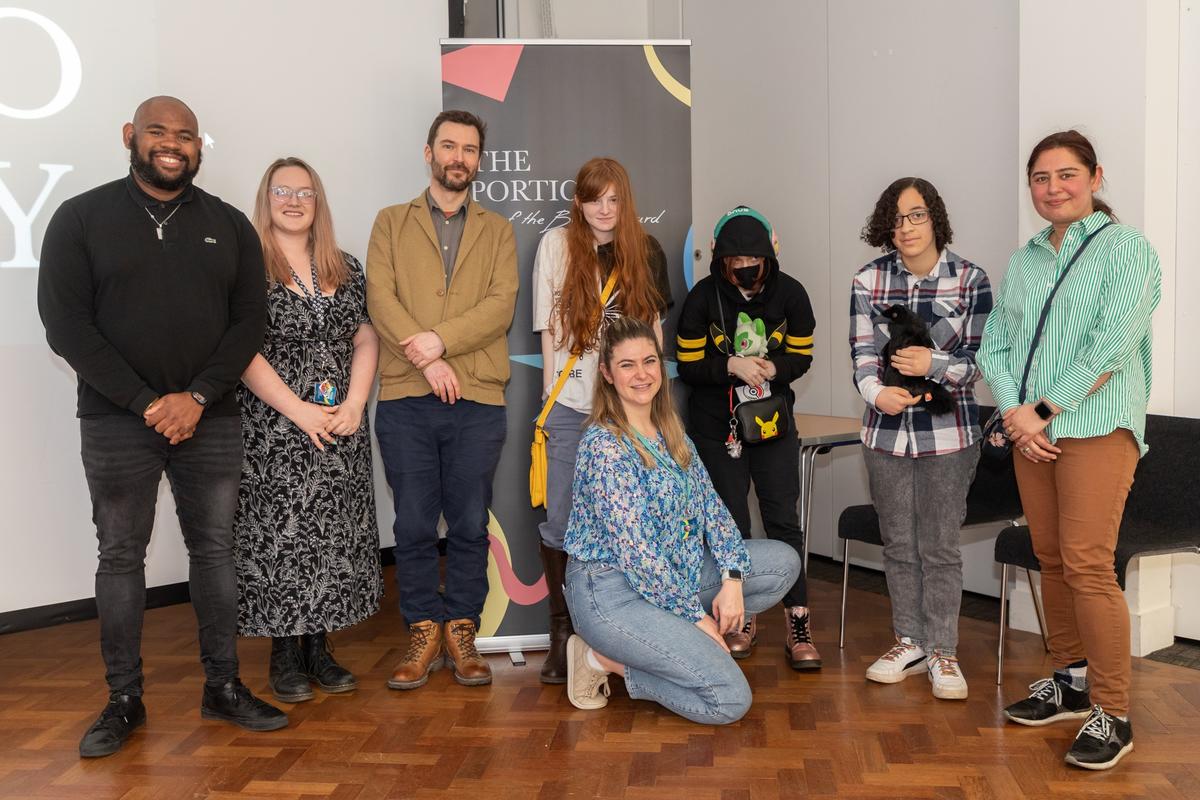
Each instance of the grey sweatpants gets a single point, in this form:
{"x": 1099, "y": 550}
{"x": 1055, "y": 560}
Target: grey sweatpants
{"x": 921, "y": 504}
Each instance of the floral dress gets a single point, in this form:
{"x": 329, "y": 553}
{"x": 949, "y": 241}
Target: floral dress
{"x": 631, "y": 516}
{"x": 306, "y": 538}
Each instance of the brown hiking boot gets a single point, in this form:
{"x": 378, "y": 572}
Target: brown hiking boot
{"x": 741, "y": 642}
{"x": 801, "y": 652}
{"x": 470, "y": 668}
{"x": 423, "y": 656}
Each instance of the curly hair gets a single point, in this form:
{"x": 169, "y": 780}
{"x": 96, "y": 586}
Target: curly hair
{"x": 881, "y": 225}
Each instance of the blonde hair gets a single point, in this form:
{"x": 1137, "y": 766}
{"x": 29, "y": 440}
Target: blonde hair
{"x": 332, "y": 271}
{"x": 609, "y": 413}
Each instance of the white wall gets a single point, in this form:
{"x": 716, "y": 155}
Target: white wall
{"x": 352, "y": 93}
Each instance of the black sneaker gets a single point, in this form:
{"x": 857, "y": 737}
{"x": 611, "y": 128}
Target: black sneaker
{"x": 1051, "y": 701}
{"x": 1101, "y": 742}
{"x": 119, "y": 718}
{"x": 234, "y": 703}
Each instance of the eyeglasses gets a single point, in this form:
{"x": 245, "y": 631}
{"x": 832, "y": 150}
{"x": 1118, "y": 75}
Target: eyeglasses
{"x": 282, "y": 194}
{"x": 918, "y": 217}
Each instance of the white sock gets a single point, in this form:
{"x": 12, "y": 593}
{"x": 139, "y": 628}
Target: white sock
{"x": 590, "y": 658}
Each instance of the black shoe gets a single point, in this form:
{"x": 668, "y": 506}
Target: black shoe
{"x": 286, "y": 678}
{"x": 1051, "y": 701}
{"x": 123, "y": 713}
{"x": 234, "y": 703}
{"x": 1101, "y": 742}
{"x": 317, "y": 654}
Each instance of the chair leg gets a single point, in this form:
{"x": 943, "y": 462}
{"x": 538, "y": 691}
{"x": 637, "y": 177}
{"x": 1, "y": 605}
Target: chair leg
{"x": 1003, "y": 623}
{"x": 845, "y": 584}
{"x": 1037, "y": 606}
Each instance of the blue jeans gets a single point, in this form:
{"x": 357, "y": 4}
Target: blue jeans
{"x": 440, "y": 460}
{"x": 124, "y": 461}
{"x": 564, "y": 429}
{"x": 667, "y": 658}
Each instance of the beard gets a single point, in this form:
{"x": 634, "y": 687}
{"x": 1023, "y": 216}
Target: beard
{"x": 148, "y": 172}
{"x": 448, "y": 183}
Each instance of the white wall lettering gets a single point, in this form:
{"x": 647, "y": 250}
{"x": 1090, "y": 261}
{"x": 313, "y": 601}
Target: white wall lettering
{"x": 22, "y": 221}
{"x": 68, "y": 58}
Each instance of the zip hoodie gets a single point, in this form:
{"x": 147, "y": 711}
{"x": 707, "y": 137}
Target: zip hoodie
{"x": 708, "y": 319}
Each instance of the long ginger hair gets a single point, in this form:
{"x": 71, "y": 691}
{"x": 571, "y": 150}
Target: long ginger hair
{"x": 579, "y": 313}
{"x": 332, "y": 271}
{"x": 608, "y": 411}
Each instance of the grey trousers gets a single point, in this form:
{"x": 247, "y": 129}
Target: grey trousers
{"x": 921, "y": 504}
{"x": 564, "y": 429}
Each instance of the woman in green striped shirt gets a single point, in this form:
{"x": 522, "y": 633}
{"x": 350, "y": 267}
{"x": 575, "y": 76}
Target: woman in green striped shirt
{"x": 1077, "y": 426}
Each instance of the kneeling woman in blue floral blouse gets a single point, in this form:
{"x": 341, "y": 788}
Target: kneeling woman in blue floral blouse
{"x": 653, "y": 550}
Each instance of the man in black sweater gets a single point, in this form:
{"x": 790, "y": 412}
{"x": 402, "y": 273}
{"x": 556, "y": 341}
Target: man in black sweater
{"x": 153, "y": 291}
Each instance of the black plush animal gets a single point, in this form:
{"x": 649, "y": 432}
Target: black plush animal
{"x": 906, "y": 330}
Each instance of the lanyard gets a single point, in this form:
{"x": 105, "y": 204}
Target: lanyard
{"x": 675, "y": 471}
{"x": 320, "y": 305}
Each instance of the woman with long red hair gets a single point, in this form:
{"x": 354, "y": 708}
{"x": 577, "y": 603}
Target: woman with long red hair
{"x": 600, "y": 266}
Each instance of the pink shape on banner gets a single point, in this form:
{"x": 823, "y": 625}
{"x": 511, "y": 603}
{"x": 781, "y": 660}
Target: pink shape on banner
{"x": 485, "y": 69}
{"x": 518, "y": 592}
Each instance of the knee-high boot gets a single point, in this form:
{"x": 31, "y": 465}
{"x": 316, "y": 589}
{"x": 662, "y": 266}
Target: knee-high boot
{"x": 554, "y": 669}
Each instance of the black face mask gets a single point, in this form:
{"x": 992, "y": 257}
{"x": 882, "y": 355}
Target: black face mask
{"x": 746, "y": 277}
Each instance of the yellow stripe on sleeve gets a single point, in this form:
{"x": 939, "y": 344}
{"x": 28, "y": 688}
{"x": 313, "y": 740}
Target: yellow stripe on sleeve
{"x": 695, "y": 355}
{"x": 690, "y": 344}
{"x": 799, "y": 341}
{"x": 799, "y": 351}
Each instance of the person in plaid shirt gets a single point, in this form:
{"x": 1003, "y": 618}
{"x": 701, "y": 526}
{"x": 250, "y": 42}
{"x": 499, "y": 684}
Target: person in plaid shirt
{"x": 920, "y": 464}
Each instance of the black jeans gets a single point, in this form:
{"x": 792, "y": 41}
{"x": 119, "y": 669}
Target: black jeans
{"x": 124, "y": 462}
{"x": 440, "y": 459}
{"x": 774, "y": 469}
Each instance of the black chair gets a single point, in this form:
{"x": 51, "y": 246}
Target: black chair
{"x": 1162, "y": 513}
{"x": 992, "y": 497}
{"x": 1014, "y": 548}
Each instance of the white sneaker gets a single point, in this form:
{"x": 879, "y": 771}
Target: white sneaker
{"x": 904, "y": 659}
{"x": 946, "y": 676}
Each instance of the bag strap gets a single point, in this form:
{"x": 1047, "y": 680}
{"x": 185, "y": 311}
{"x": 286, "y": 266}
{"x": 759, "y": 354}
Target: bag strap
{"x": 1041, "y": 323}
{"x": 566, "y": 370}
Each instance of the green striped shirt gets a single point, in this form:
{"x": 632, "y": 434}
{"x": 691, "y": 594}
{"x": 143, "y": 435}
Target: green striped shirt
{"x": 1099, "y": 322}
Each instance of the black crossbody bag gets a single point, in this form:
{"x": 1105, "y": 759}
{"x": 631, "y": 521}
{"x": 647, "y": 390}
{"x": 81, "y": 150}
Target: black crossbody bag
{"x": 996, "y": 444}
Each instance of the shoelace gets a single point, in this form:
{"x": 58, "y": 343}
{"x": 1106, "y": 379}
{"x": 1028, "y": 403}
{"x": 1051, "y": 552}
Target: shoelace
{"x": 290, "y": 659}
{"x": 947, "y": 666}
{"x": 749, "y": 624}
{"x": 1045, "y": 689}
{"x": 800, "y": 630}
{"x": 898, "y": 651}
{"x": 598, "y": 682}
{"x": 418, "y": 639}
{"x": 111, "y": 715}
{"x": 324, "y": 657}
{"x": 464, "y": 636}
{"x": 1098, "y": 726}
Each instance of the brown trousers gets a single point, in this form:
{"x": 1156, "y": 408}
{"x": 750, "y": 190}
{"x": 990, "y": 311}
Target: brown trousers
{"x": 1074, "y": 507}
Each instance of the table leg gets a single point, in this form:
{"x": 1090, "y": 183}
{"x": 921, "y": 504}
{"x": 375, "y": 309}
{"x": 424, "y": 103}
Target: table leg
{"x": 808, "y": 457}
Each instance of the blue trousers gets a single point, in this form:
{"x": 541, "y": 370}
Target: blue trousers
{"x": 440, "y": 460}
{"x": 667, "y": 658}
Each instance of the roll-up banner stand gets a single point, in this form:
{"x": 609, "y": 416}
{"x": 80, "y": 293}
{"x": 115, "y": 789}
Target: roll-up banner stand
{"x": 550, "y": 105}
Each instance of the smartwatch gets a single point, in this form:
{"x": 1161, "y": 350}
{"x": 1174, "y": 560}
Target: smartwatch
{"x": 1043, "y": 409}
{"x": 199, "y": 398}
{"x": 731, "y": 575}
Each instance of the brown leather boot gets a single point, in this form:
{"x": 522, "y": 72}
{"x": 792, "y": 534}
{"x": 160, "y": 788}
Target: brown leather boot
{"x": 554, "y": 668}
{"x": 741, "y": 642}
{"x": 424, "y": 655}
{"x": 470, "y": 668}
{"x": 801, "y": 652}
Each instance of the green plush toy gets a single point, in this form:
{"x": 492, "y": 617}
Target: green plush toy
{"x": 750, "y": 336}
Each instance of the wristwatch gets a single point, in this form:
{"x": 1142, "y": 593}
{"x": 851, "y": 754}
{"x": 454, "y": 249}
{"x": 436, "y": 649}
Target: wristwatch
{"x": 199, "y": 398}
{"x": 1043, "y": 409}
{"x": 731, "y": 575}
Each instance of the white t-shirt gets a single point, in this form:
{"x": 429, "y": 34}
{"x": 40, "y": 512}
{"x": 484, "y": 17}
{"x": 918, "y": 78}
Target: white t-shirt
{"x": 549, "y": 269}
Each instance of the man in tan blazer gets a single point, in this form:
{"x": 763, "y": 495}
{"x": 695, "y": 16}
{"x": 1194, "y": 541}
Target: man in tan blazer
{"x": 441, "y": 288}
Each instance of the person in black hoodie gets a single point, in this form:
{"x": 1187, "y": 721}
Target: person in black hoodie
{"x": 746, "y": 279}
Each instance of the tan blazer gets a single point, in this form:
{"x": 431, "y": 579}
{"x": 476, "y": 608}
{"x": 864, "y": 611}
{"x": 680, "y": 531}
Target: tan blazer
{"x": 407, "y": 294}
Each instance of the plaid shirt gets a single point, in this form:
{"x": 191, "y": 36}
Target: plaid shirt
{"x": 954, "y": 300}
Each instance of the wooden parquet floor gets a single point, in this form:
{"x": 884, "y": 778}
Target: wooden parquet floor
{"x": 825, "y": 734}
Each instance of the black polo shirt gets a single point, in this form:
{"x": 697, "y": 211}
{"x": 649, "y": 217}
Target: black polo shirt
{"x": 137, "y": 316}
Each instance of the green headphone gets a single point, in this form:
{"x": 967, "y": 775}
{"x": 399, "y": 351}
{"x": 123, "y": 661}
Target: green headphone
{"x": 743, "y": 211}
